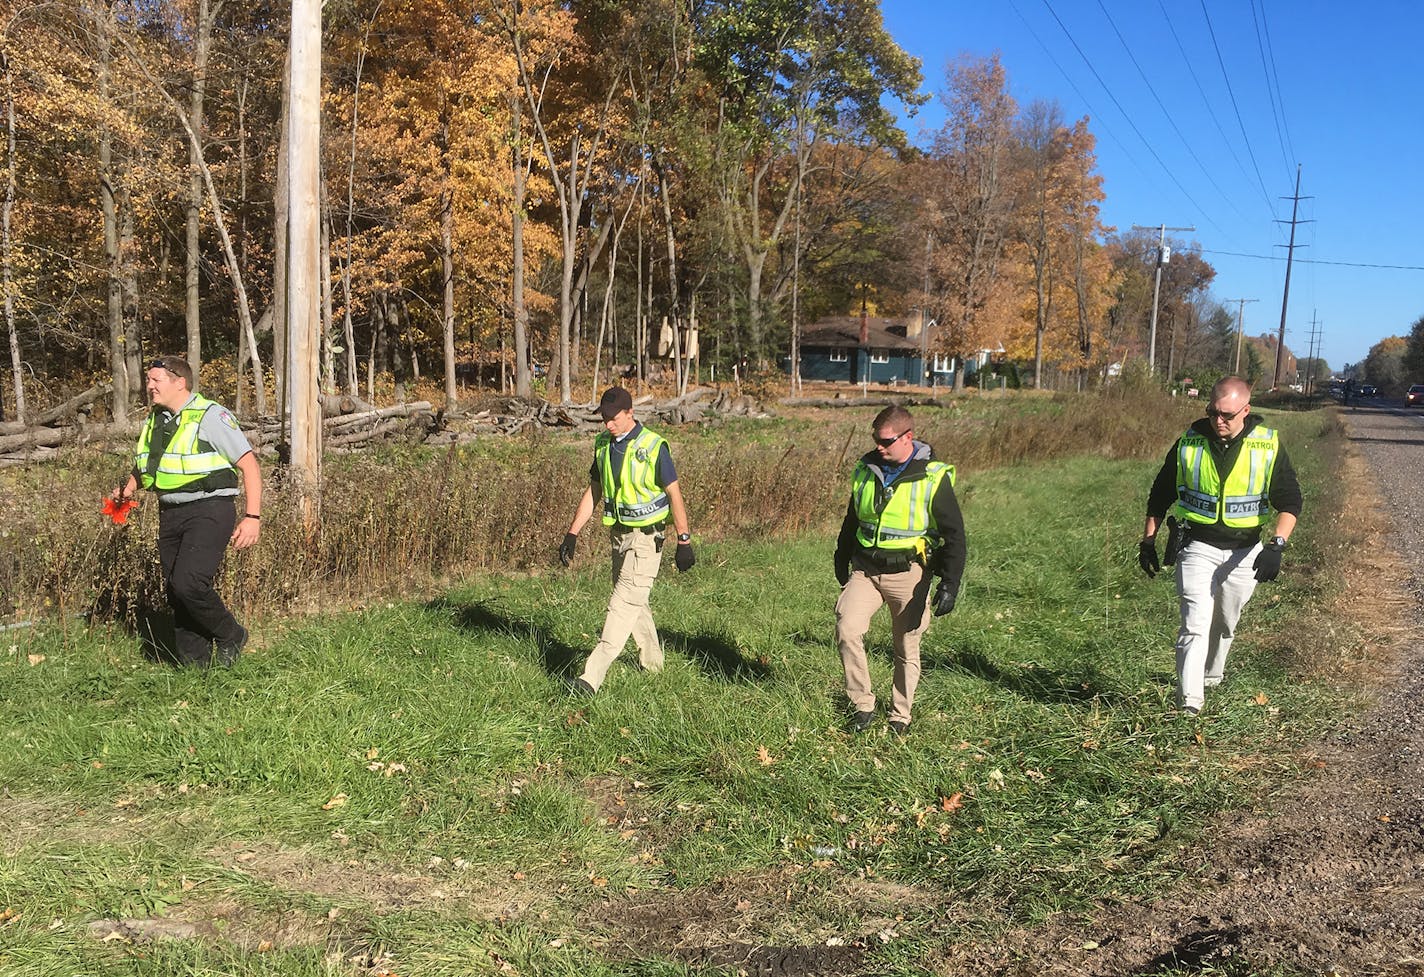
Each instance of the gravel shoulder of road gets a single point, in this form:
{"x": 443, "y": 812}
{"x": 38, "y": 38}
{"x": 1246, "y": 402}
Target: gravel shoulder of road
{"x": 1331, "y": 879}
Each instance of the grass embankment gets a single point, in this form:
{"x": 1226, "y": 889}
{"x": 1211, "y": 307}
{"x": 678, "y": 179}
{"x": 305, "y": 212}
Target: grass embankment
{"x": 407, "y": 789}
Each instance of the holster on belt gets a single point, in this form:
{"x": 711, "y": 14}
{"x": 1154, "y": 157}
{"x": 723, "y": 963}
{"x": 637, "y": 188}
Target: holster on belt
{"x": 886, "y": 561}
{"x": 1176, "y": 539}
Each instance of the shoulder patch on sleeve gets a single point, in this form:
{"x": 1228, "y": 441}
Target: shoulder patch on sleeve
{"x": 226, "y": 417}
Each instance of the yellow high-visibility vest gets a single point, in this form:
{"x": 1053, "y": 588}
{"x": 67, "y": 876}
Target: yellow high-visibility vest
{"x": 1242, "y": 500}
{"x": 898, "y": 518}
{"x": 637, "y": 500}
{"x": 186, "y": 459}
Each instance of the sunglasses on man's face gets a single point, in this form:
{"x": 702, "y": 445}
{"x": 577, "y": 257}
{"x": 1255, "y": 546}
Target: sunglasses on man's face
{"x": 887, "y": 442}
{"x": 1223, "y": 415}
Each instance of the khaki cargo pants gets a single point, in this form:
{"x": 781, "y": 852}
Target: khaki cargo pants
{"x": 907, "y": 596}
{"x": 637, "y": 558}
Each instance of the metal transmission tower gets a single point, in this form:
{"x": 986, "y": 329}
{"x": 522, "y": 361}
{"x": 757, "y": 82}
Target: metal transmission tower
{"x": 1285, "y": 295}
{"x": 1240, "y": 317}
{"x": 1163, "y": 253}
{"x": 1310, "y": 369}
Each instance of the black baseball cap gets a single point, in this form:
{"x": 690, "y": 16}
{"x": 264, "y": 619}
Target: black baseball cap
{"x": 614, "y": 401}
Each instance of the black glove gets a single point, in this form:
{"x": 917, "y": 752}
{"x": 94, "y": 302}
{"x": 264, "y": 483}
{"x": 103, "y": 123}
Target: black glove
{"x": 1147, "y": 557}
{"x": 944, "y": 599}
{"x": 567, "y": 547}
{"x": 1268, "y": 564}
{"x": 842, "y": 569}
{"x": 684, "y": 557}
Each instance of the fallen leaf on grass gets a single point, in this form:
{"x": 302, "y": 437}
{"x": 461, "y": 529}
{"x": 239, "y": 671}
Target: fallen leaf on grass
{"x": 953, "y": 802}
{"x": 764, "y": 756}
{"x": 36, "y": 659}
{"x": 335, "y": 802}
{"x": 1260, "y": 698}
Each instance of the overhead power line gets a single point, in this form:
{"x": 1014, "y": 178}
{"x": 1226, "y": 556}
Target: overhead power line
{"x": 1165, "y": 168}
{"x": 1271, "y": 52}
{"x": 1098, "y": 119}
{"x": 1272, "y": 91}
{"x": 1206, "y": 101}
{"x": 1166, "y": 113}
{"x": 1311, "y": 261}
{"x": 1236, "y": 108}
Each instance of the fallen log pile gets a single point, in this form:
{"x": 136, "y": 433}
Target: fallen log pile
{"x": 349, "y": 424}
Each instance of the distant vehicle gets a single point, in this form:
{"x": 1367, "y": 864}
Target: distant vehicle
{"x": 1367, "y": 390}
{"x": 1414, "y": 396}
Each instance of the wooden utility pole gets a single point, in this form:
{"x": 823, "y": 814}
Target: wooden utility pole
{"x": 1285, "y": 294}
{"x": 1162, "y": 255}
{"x": 304, "y": 257}
{"x": 1240, "y": 316}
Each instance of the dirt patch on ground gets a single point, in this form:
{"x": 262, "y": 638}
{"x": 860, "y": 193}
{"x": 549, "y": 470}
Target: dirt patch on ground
{"x": 1332, "y": 882}
{"x": 770, "y": 924}
{"x": 445, "y": 886}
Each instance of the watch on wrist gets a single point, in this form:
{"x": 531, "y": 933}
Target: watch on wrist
{"x": 1277, "y": 543}
{"x": 684, "y": 537}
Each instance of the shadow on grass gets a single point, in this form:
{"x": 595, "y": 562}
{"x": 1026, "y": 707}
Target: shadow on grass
{"x": 718, "y": 656}
{"x": 557, "y": 658}
{"x": 1081, "y": 685}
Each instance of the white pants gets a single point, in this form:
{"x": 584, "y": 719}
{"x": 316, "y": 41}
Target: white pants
{"x": 1213, "y": 585}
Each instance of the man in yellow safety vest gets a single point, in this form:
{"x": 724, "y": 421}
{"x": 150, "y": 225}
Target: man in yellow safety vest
{"x": 190, "y": 454}
{"x": 902, "y": 527}
{"x": 1221, "y": 480}
{"x": 633, "y": 476}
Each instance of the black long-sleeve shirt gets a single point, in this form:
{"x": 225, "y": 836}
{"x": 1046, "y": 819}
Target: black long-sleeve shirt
{"x": 948, "y": 558}
{"x": 1284, "y": 494}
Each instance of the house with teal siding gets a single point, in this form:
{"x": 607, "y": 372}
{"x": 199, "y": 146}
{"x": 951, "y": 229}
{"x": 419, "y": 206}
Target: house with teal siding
{"x": 871, "y": 349}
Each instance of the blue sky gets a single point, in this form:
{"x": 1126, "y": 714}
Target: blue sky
{"x": 1330, "y": 86}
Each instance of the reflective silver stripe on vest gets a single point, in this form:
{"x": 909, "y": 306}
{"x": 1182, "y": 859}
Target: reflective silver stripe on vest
{"x": 1243, "y": 506}
{"x": 642, "y": 511}
{"x": 1201, "y": 502}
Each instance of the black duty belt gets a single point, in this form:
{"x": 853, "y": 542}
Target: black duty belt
{"x": 619, "y": 529}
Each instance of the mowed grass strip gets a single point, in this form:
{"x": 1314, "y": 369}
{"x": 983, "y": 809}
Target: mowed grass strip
{"x": 410, "y": 788}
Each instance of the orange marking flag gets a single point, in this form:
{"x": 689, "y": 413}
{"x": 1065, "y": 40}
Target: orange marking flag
{"x": 118, "y": 511}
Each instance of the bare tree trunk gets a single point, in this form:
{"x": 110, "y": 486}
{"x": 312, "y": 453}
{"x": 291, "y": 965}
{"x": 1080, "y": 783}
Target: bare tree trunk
{"x": 328, "y": 338}
{"x": 17, "y": 371}
{"x": 281, "y": 205}
{"x": 244, "y": 310}
{"x": 522, "y": 384}
{"x": 108, "y": 179}
{"x": 207, "y": 14}
{"x": 674, "y": 297}
{"x": 129, "y": 285}
{"x": 447, "y": 265}
{"x": 240, "y": 406}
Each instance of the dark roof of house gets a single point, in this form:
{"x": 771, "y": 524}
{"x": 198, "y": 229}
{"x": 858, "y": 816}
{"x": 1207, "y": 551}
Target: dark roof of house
{"x": 844, "y": 330}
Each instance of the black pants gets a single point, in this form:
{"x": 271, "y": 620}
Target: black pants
{"x": 191, "y": 540}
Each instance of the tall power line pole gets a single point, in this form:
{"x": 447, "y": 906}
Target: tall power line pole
{"x": 1285, "y": 295}
{"x": 1240, "y": 317}
{"x": 1310, "y": 370}
{"x": 1162, "y": 255}
{"x": 304, "y": 256}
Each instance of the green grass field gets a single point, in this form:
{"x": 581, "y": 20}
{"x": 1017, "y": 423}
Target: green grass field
{"x": 408, "y": 790}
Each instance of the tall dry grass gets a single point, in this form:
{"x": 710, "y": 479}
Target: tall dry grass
{"x": 406, "y": 519}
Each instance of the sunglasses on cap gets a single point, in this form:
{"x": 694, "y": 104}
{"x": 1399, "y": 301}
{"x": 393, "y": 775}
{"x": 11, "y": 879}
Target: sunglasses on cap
{"x": 887, "y": 442}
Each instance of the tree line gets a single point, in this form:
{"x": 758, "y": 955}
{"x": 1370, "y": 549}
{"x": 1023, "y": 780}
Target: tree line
{"x": 534, "y": 193}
